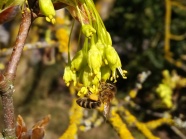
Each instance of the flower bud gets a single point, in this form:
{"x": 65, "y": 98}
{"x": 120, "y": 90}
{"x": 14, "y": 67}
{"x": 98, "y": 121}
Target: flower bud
{"x": 100, "y": 46}
{"x": 105, "y": 73}
{"x": 113, "y": 61}
{"x": 112, "y": 57}
{"x": 47, "y": 8}
{"x": 78, "y": 61}
{"x": 94, "y": 59}
{"x": 85, "y": 77}
{"x": 69, "y": 76}
{"x": 109, "y": 40}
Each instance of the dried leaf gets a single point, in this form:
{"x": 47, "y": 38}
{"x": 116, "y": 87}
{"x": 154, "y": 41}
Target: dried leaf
{"x": 20, "y": 127}
{"x": 38, "y": 133}
{"x": 26, "y": 135}
{"x": 43, "y": 122}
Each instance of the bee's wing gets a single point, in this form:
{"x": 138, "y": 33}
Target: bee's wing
{"x": 106, "y": 111}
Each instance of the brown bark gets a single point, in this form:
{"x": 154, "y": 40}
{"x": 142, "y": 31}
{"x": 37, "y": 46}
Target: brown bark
{"x": 7, "y": 78}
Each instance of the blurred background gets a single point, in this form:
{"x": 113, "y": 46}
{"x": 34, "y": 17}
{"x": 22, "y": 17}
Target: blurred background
{"x": 150, "y": 39}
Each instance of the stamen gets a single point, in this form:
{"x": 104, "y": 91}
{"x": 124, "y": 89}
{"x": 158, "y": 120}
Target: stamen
{"x": 122, "y": 72}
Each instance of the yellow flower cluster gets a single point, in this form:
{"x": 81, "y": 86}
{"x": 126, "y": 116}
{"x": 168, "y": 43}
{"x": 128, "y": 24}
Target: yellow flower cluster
{"x": 97, "y": 61}
{"x": 169, "y": 83}
{"x": 63, "y": 38}
{"x": 165, "y": 93}
{"x": 165, "y": 89}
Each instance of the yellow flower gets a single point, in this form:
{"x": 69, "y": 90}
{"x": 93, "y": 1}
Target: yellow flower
{"x": 78, "y": 61}
{"x": 85, "y": 78}
{"x": 63, "y": 38}
{"x": 82, "y": 91}
{"x": 47, "y": 8}
{"x": 105, "y": 73}
{"x": 94, "y": 59}
{"x": 69, "y": 76}
{"x": 88, "y": 30}
{"x": 113, "y": 61}
{"x": 165, "y": 93}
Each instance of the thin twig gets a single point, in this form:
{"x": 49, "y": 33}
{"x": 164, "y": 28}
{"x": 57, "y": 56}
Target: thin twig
{"x": 30, "y": 46}
{"x": 178, "y": 132}
{"x": 20, "y": 41}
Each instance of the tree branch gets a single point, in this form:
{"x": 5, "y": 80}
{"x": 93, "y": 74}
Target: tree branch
{"x": 20, "y": 41}
{"x": 6, "y": 79}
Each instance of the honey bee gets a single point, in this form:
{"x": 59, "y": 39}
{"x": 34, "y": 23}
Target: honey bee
{"x": 88, "y": 103}
{"x": 106, "y": 93}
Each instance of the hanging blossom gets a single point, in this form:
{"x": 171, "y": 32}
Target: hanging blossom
{"x": 97, "y": 61}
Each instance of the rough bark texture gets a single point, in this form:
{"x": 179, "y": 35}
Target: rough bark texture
{"x": 7, "y": 78}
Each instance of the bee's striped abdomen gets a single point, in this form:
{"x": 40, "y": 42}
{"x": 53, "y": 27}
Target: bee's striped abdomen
{"x": 88, "y": 103}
